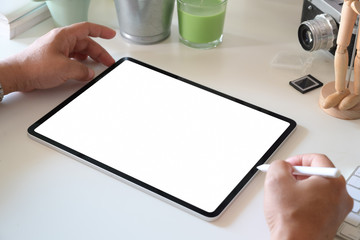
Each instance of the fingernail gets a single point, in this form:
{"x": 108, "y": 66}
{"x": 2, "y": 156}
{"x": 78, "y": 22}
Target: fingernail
{"x": 91, "y": 74}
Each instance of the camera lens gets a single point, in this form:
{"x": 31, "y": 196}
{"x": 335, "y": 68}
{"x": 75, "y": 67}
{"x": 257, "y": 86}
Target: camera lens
{"x": 319, "y": 33}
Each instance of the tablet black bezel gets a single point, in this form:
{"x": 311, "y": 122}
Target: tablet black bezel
{"x": 208, "y": 215}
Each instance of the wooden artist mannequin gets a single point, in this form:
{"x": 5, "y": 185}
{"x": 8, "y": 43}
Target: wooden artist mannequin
{"x": 342, "y": 97}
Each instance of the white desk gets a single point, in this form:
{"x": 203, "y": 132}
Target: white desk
{"x": 46, "y": 195}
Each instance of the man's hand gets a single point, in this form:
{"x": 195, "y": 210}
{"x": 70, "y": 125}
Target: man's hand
{"x": 299, "y": 207}
{"x": 52, "y": 59}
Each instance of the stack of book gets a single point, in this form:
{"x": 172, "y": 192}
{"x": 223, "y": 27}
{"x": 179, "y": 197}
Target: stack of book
{"x": 20, "y": 15}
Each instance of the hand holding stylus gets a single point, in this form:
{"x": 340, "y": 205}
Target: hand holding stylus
{"x": 302, "y": 207}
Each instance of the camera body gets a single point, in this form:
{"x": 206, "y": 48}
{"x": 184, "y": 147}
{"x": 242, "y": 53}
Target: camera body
{"x": 320, "y": 21}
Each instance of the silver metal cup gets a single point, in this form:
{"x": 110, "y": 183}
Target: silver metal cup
{"x": 145, "y": 21}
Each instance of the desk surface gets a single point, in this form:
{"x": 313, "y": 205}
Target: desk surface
{"x": 46, "y": 195}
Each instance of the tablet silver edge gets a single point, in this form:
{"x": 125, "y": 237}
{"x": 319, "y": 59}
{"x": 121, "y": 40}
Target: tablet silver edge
{"x": 151, "y": 193}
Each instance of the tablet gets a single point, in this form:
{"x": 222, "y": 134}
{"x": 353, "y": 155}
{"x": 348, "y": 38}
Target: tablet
{"x": 185, "y": 143}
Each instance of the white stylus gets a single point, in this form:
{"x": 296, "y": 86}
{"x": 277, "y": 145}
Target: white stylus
{"x": 309, "y": 171}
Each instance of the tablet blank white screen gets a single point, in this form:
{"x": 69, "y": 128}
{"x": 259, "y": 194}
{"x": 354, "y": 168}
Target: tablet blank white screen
{"x": 183, "y": 140}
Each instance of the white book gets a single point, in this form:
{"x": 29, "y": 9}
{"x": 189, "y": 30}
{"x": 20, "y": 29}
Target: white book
{"x": 20, "y": 15}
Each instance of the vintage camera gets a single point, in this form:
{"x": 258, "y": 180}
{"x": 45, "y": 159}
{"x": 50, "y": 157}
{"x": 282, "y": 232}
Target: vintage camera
{"x": 319, "y": 26}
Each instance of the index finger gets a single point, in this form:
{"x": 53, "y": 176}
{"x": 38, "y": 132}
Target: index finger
{"x": 313, "y": 160}
{"x": 85, "y": 29}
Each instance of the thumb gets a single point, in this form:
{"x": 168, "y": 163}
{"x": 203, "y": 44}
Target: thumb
{"x": 279, "y": 173}
{"x": 79, "y": 71}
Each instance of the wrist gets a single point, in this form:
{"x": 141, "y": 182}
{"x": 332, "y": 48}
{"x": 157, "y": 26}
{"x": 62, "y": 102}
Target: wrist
{"x": 285, "y": 233}
{"x": 293, "y": 230}
{"x": 11, "y": 75}
{"x": 282, "y": 230}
